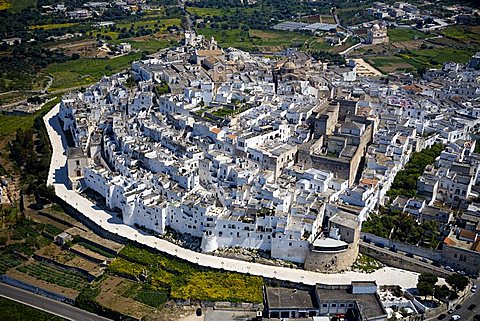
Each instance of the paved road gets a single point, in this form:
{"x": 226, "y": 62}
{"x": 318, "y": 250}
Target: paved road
{"x": 42, "y": 303}
{"x": 463, "y": 312}
{"x": 57, "y": 177}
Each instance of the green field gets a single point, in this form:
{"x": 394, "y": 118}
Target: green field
{"x": 9, "y": 124}
{"x": 184, "y": 280}
{"x": 19, "y": 5}
{"x": 85, "y": 71}
{"x": 8, "y": 261}
{"x": 263, "y": 40}
{"x": 416, "y": 60}
{"x": 390, "y": 64}
{"x": 52, "y": 26}
{"x": 14, "y": 311}
{"x": 400, "y": 34}
{"x": 206, "y": 12}
{"x": 54, "y": 275}
{"x": 462, "y": 33}
{"x": 436, "y": 57}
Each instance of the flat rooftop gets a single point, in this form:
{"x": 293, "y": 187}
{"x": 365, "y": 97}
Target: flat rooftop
{"x": 368, "y": 304}
{"x": 286, "y": 298}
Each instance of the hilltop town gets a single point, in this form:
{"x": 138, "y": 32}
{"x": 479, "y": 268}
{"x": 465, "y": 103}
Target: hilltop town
{"x": 240, "y": 160}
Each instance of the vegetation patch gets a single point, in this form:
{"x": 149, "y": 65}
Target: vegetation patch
{"x": 9, "y": 124}
{"x": 14, "y": 311}
{"x": 404, "y": 228}
{"x": 405, "y": 182}
{"x": 96, "y": 249}
{"x": 403, "y": 34}
{"x": 53, "y": 26}
{"x": 85, "y": 71}
{"x": 366, "y": 264}
{"x": 462, "y": 33}
{"x": 55, "y": 275}
{"x": 184, "y": 280}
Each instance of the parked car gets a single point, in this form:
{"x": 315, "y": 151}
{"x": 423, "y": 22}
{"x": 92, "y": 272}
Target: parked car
{"x": 424, "y": 260}
{"x": 458, "y": 307}
{"x": 441, "y": 316}
{"x": 449, "y": 269}
{"x": 455, "y": 317}
{"x": 461, "y": 272}
{"x": 473, "y": 290}
{"x": 451, "y": 310}
{"x": 393, "y": 249}
{"x": 409, "y": 254}
{"x": 472, "y": 306}
{"x": 474, "y": 287}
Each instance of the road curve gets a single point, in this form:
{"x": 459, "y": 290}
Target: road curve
{"x": 58, "y": 178}
{"x": 48, "y": 305}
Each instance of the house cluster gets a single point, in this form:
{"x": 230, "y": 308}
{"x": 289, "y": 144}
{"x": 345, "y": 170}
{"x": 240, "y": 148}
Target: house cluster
{"x": 405, "y": 15}
{"x": 278, "y": 155}
{"x": 93, "y": 8}
{"x": 399, "y": 10}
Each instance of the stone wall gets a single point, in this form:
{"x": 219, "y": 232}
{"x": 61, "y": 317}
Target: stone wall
{"x": 400, "y": 261}
{"x": 331, "y": 262}
{"x": 404, "y": 247}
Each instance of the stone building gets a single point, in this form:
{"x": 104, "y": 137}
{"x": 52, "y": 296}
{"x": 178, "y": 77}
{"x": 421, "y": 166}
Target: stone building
{"x": 461, "y": 251}
{"x": 377, "y": 34}
{"x": 76, "y": 162}
{"x": 356, "y": 301}
{"x": 339, "y": 250}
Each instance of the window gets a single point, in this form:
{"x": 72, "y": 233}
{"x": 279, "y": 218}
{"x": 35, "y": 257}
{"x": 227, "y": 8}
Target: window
{"x": 324, "y": 305}
{"x": 333, "y": 305}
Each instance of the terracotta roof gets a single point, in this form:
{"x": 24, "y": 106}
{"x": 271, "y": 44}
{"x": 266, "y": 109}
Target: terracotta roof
{"x": 369, "y": 181}
{"x": 449, "y": 241}
{"x": 476, "y": 246}
{"x": 414, "y": 88}
{"x": 466, "y": 234}
{"x": 216, "y": 52}
{"x": 215, "y": 130}
{"x": 232, "y": 136}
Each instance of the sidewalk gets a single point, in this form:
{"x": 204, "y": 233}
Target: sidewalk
{"x": 58, "y": 177}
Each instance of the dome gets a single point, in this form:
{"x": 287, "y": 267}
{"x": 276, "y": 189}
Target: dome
{"x": 289, "y": 65}
{"x": 376, "y": 27}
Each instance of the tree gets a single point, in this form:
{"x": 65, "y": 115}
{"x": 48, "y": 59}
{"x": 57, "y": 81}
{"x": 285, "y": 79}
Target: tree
{"x": 441, "y": 292}
{"x": 457, "y": 282}
{"x": 425, "y": 288}
{"x": 428, "y": 277}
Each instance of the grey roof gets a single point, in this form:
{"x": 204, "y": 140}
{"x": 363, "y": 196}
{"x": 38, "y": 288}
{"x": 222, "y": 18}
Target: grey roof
{"x": 368, "y": 304}
{"x": 285, "y": 298}
{"x": 75, "y": 152}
